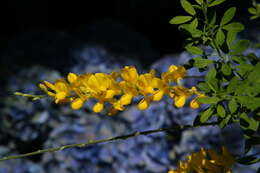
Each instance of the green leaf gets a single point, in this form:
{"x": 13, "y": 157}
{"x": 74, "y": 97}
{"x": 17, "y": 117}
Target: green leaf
{"x": 194, "y": 50}
{"x": 211, "y": 74}
{"x": 194, "y": 24}
{"x": 197, "y": 7}
{"x": 252, "y": 10}
{"x": 238, "y": 59}
{"x": 231, "y": 36}
{"x": 233, "y": 84}
{"x": 248, "y": 160}
{"x": 180, "y": 19}
{"x": 220, "y": 37}
{"x": 203, "y": 87}
{"x": 245, "y": 69}
{"x": 216, "y": 2}
{"x": 199, "y": 1}
{"x": 221, "y": 111}
{"x": 232, "y": 105}
{"x": 202, "y": 62}
{"x": 252, "y": 57}
{"x": 228, "y": 16}
{"x": 257, "y": 45}
{"x": 212, "y": 18}
{"x": 253, "y": 81}
{"x": 249, "y": 102}
{"x": 248, "y": 123}
{"x": 240, "y": 46}
{"x": 226, "y": 69}
{"x": 188, "y": 7}
{"x": 254, "y": 17}
{"x": 225, "y": 121}
{"x": 190, "y": 29}
{"x": 234, "y": 27}
{"x": 208, "y": 100}
{"x": 206, "y": 115}
{"x": 255, "y": 74}
{"x": 251, "y": 142}
{"x": 211, "y": 80}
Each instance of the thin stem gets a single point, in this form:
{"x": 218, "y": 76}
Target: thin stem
{"x": 218, "y": 49}
{"x": 249, "y": 156}
{"x": 207, "y": 27}
{"x": 194, "y": 77}
{"x": 255, "y": 154}
{"x": 91, "y": 142}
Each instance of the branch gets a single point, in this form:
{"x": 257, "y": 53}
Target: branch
{"x": 91, "y": 142}
{"x": 194, "y": 77}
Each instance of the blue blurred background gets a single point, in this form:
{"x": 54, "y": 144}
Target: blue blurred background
{"x": 44, "y": 40}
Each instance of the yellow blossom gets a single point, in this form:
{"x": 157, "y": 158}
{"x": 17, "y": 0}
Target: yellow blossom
{"x": 180, "y": 95}
{"x": 129, "y": 90}
{"x": 98, "y": 107}
{"x": 77, "y": 104}
{"x": 195, "y": 104}
{"x": 144, "y": 103}
{"x": 107, "y": 88}
{"x": 206, "y": 161}
{"x": 145, "y": 84}
{"x": 129, "y": 74}
{"x": 72, "y": 77}
{"x": 60, "y": 90}
{"x": 174, "y": 74}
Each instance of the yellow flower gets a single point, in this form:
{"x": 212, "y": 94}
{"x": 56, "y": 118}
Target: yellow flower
{"x": 106, "y": 88}
{"x": 98, "y": 107}
{"x": 77, "y": 103}
{"x": 174, "y": 74}
{"x": 146, "y": 83}
{"x": 129, "y": 91}
{"x": 144, "y": 103}
{"x": 72, "y": 77}
{"x": 217, "y": 158}
{"x": 100, "y": 86}
{"x": 161, "y": 88}
{"x": 195, "y": 104}
{"x": 157, "y": 96}
{"x": 129, "y": 74}
{"x": 60, "y": 90}
{"x": 180, "y": 95}
{"x": 206, "y": 161}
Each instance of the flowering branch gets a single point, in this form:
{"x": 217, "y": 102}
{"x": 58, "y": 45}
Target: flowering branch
{"x": 91, "y": 142}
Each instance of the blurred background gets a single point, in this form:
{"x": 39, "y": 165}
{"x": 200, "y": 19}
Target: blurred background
{"x": 45, "y": 40}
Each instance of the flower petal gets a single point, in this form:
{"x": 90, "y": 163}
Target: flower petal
{"x": 180, "y": 101}
{"x": 98, "y": 107}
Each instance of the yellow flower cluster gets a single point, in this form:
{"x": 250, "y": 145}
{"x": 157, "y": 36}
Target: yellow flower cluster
{"x": 120, "y": 90}
{"x": 207, "y": 161}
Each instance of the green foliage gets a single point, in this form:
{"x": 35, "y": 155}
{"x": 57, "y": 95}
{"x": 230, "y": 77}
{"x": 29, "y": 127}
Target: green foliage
{"x": 180, "y": 19}
{"x": 232, "y": 84}
{"x": 228, "y": 16}
{"x": 254, "y": 10}
{"x": 188, "y": 7}
{"x": 194, "y": 50}
{"x": 206, "y": 114}
{"x": 200, "y": 62}
{"x": 215, "y": 2}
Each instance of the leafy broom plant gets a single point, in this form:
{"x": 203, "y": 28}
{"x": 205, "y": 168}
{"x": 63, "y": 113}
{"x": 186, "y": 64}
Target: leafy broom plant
{"x": 231, "y": 88}
{"x": 232, "y": 84}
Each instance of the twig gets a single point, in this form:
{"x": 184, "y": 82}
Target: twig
{"x": 85, "y": 144}
{"x": 195, "y": 77}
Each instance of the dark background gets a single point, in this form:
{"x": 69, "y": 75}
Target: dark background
{"x": 44, "y": 31}
{"x": 147, "y": 17}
